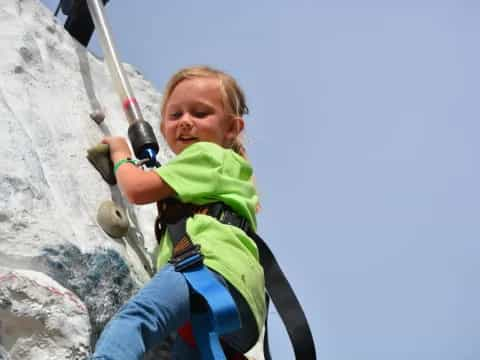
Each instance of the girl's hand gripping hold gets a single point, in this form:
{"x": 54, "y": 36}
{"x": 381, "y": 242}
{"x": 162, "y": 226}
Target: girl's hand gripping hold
{"x": 137, "y": 185}
{"x": 119, "y": 148}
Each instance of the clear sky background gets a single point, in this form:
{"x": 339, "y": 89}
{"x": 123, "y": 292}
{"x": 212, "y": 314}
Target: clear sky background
{"x": 363, "y": 134}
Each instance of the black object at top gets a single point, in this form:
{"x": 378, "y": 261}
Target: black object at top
{"x": 79, "y": 23}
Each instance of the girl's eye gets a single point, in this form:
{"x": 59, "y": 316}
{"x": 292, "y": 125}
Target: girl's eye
{"x": 200, "y": 114}
{"x": 175, "y": 115}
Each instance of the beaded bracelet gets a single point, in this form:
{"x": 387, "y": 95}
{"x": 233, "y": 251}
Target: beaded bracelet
{"x": 121, "y": 162}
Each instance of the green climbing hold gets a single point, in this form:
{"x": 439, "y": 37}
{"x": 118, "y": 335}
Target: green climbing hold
{"x": 112, "y": 219}
{"x": 99, "y": 157}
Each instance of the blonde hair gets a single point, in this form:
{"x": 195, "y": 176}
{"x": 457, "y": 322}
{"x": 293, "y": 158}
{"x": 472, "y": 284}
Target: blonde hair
{"x": 232, "y": 95}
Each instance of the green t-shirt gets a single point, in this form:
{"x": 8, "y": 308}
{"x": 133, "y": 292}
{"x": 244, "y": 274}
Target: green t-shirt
{"x": 204, "y": 173}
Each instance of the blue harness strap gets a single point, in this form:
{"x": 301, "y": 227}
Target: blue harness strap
{"x": 220, "y": 316}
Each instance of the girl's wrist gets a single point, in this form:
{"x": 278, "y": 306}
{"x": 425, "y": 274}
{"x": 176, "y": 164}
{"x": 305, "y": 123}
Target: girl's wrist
{"x": 116, "y": 157}
{"x": 120, "y": 162}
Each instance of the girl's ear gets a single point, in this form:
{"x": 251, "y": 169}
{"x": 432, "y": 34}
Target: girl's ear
{"x": 236, "y": 127}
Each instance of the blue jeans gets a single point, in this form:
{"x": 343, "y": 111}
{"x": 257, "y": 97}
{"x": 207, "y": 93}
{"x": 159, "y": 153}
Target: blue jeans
{"x": 160, "y": 307}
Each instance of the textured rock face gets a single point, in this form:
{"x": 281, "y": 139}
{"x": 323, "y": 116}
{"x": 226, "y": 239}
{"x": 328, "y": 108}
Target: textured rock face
{"x": 61, "y": 276}
{"x": 40, "y": 318}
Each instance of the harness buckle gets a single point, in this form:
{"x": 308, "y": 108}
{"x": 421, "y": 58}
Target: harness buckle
{"x": 228, "y": 217}
{"x": 188, "y": 257}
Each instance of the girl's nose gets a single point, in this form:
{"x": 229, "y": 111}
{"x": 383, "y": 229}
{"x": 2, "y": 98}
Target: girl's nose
{"x": 186, "y": 122}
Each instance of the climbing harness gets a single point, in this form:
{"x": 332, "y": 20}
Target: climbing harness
{"x": 213, "y": 311}
{"x": 172, "y": 211}
{"x": 172, "y": 217}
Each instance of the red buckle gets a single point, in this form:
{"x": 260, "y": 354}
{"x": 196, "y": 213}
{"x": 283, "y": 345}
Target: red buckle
{"x": 186, "y": 333}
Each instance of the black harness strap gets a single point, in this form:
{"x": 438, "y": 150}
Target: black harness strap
{"x": 286, "y": 302}
{"x": 278, "y": 287}
{"x": 183, "y": 248}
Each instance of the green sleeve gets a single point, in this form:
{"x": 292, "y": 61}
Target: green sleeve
{"x": 194, "y": 173}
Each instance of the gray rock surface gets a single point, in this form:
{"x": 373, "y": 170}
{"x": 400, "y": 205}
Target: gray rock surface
{"x": 40, "y": 319}
{"x": 50, "y": 193}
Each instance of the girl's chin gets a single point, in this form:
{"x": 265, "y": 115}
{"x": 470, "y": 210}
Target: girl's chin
{"x": 181, "y": 145}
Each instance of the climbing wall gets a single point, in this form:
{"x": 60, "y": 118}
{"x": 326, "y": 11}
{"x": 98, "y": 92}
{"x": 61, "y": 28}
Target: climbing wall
{"x": 61, "y": 276}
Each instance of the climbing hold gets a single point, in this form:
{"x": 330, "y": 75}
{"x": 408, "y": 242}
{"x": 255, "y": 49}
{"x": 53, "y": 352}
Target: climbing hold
{"x": 98, "y": 116}
{"x": 112, "y": 219}
{"x": 99, "y": 157}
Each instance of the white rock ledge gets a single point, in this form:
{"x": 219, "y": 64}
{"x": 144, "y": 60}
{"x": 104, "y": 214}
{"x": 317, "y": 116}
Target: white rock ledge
{"x": 40, "y": 319}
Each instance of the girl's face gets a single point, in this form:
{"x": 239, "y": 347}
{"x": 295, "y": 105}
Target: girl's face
{"x": 195, "y": 112}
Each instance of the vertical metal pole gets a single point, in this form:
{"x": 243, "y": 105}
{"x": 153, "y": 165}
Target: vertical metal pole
{"x": 140, "y": 133}
{"x": 129, "y": 102}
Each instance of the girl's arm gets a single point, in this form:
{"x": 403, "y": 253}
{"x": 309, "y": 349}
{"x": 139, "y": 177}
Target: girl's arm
{"x": 137, "y": 185}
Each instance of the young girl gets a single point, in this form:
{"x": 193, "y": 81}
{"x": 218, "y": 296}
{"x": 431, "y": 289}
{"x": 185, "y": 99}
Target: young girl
{"x": 202, "y": 122}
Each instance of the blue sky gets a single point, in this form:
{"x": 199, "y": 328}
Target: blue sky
{"x": 363, "y": 135}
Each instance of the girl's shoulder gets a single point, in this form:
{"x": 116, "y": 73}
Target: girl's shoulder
{"x": 213, "y": 151}
{"x": 204, "y": 157}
